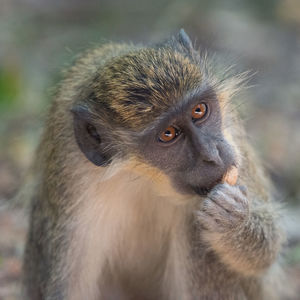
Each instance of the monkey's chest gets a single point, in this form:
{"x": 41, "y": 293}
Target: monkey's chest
{"x": 171, "y": 277}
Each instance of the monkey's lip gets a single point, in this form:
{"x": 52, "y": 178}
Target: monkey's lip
{"x": 204, "y": 191}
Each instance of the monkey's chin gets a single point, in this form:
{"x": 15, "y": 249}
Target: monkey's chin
{"x": 202, "y": 191}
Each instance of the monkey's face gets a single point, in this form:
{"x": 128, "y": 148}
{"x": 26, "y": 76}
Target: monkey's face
{"x": 156, "y": 105}
{"x": 188, "y": 145}
{"x": 186, "y": 142}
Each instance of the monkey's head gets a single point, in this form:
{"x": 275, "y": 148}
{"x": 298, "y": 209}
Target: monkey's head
{"x": 162, "y": 106}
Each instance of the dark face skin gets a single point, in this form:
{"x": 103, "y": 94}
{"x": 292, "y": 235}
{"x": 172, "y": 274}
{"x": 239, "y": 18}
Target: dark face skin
{"x": 187, "y": 144}
{"x": 197, "y": 156}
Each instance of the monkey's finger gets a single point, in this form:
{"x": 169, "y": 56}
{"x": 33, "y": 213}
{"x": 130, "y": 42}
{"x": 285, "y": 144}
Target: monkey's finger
{"x": 243, "y": 189}
{"x": 216, "y": 209}
{"x": 223, "y": 200}
{"x": 233, "y": 205}
{"x": 238, "y": 193}
{"x": 207, "y": 221}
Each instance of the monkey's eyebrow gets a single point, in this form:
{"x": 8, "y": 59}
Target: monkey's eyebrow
{"x": 203, "y": 92}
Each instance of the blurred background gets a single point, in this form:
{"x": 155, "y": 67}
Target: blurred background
{"x": 38, "y": 38}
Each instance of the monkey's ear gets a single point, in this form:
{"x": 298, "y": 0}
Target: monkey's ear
{"x": 184, "y": 40}
{"x": 180, "y": 42}
{"x": 87, "y": 136}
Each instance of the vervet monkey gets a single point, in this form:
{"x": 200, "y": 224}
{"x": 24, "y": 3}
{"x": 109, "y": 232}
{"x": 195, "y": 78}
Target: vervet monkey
{"x": 131, "y": 202}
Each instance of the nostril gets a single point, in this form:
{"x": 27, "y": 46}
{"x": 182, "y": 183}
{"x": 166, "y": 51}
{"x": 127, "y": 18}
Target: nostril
{"x": 214, "y": 161}
{"x": 210, "y": 160}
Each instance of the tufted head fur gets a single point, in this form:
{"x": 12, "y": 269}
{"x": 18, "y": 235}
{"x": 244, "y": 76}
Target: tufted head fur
{"x": 142, "y": 83}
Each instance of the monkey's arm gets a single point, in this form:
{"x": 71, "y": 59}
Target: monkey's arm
{"x": 244, "y": 234}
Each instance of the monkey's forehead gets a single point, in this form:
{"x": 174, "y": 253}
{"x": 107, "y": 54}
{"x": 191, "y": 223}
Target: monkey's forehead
{"x": 141, "y": 85}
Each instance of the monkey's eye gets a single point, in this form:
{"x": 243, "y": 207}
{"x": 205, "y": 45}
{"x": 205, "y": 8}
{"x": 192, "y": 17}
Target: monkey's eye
{"x": 199, "y": 111}
{"x": 169, "y": 134}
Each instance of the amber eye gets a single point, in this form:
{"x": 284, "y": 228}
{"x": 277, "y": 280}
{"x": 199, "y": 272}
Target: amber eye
{"x": 199, "y": 111}
{"x": 169, "y": 134}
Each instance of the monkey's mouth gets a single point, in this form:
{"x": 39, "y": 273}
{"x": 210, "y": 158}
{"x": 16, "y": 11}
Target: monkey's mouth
{"x": 204, "y": 191}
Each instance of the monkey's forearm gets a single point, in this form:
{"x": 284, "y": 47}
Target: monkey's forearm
{"x": 251, "y": 248}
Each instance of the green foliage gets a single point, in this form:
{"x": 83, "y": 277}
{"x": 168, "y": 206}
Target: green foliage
{"x": 9, "y": 88}
{"x": 263, "y": 8}
{"x": 293, "y": 256}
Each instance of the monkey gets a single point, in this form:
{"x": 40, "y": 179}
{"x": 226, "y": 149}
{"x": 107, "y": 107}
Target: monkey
{"x": 129, "y": 201}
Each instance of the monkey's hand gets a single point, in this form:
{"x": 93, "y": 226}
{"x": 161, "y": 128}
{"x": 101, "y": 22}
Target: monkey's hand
{"x": 245, "y": 238}
{"x": 225, "y": 209}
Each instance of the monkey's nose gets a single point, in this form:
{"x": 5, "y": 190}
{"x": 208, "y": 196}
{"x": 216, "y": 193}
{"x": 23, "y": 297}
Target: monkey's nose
{"x": 207, "y": 150}
{"x": 211, "y": 155}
